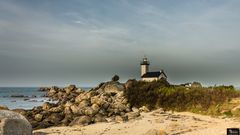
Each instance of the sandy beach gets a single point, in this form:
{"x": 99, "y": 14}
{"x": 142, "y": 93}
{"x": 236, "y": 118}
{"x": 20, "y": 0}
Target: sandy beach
{"x": 184, "y": 123}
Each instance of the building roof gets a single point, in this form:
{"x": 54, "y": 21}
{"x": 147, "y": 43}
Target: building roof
{"x": 151, "y": 74}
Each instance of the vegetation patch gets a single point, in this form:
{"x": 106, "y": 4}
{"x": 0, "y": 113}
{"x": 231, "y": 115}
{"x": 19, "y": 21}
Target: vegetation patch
{"x": 204, "y": 100}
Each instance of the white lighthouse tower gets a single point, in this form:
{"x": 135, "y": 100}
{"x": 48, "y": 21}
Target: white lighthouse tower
{"x": 144, "y": 66}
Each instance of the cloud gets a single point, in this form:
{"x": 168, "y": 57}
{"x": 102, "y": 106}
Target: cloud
{"x": 82, "y": 42}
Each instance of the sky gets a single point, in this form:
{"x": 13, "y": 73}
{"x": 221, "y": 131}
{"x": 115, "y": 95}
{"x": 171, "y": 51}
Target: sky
{"x": 85, "y": 42}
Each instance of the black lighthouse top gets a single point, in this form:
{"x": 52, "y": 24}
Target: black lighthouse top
{"x": 145, "y": 61}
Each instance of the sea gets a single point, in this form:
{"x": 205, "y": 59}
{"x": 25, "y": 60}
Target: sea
{"x": 23, "y": 97}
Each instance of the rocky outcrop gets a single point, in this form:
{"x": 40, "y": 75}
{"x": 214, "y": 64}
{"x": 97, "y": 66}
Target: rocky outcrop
{"x": 105, "y": 103}
{"x": 3, "y": 107}
{"x": 12, "y": 123}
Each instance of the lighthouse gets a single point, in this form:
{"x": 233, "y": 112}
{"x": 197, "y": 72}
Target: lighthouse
{"x": 150, "y": 76}
{"x": 144, "y": 66}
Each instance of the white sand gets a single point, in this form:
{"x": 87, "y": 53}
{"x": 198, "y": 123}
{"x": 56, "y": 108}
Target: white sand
{"x": 177, "y": 123}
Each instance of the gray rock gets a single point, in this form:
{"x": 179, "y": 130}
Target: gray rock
{"x": 134, "y": 109}
{"x": 46, "y": 106}
{"x": 76, "y": 110}
{"x": 97, "y": 100}
{"x": 68, "y": 104}
{"x": 67, "y": 110}
{"x": 72, "y": 87}
{"x": 132, "y": 115}
{"x": 82, "y": 121}
{"x": 12, "y": 123}
{"x": 95, "y": 108}
{"x": 54, "y": 118}
{"x": 84, "y": 103}
{"x": 38, "y": 117}
{"x": 144, "y": 109}
{"x": 99, "y": 118}
{"x": 56, "y": 109}
{"x": 20, "y": 111}
{"x": 51, "y": 92}
{"x": 89, "y": 111}
{"x": 119, "y": 119}
{"x": 113, "y": 87}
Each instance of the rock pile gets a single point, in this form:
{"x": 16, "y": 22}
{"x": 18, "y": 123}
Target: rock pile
{"x": 105, "y": 103}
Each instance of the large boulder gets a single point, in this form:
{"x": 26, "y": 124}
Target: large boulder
{"x": 70, "y": 88}
{"x": 113, "y": 87}
{"x": 84, "y": 103}
{"x": 46, "y": 106}
{"x": 38, "y": 117}
{"x": 56, "y": 109}
{"x": 132, "y": 115}
{"x": 20, "y": 111}
{"x": 89, "y": 111}
{"x": 95, "y": 108}
{"x": 97, "y": 100}
{"x": 99, "y": 118}
{"x": 3, "y": 107}
{"x": 76, "y": 110}
{"x": 81, "y": 121}
{"x": 55, "y": 118}
{"x": 12, "y": 123}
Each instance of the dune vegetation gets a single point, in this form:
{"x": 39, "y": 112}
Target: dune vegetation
{"x": 215, "y": 100}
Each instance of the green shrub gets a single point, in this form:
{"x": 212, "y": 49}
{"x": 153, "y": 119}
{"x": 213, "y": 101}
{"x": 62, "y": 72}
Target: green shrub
{"x": 179, "y": 98}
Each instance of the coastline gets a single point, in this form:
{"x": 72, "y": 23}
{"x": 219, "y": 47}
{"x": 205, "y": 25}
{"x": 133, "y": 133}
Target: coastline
{"x": 108, "y": 109}
{"x": 184, "y": 123}
{"x": 24, "y": 97}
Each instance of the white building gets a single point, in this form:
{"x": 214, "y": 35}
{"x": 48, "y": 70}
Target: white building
{"x": 150, "y": 76}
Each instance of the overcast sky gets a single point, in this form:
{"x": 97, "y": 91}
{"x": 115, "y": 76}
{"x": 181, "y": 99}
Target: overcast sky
{"x": 84, "y": 42}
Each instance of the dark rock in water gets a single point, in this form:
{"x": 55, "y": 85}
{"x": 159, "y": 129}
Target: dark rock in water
{"x": 26, "y": 99}
{"x": 33, "y": 96}
{"x": 12, "y": 123}
{"x": 44, "y": 89}
{"x": 32, "y": 101}
{"x": 18, "y": 96}
{"x": 13, "y": 101}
